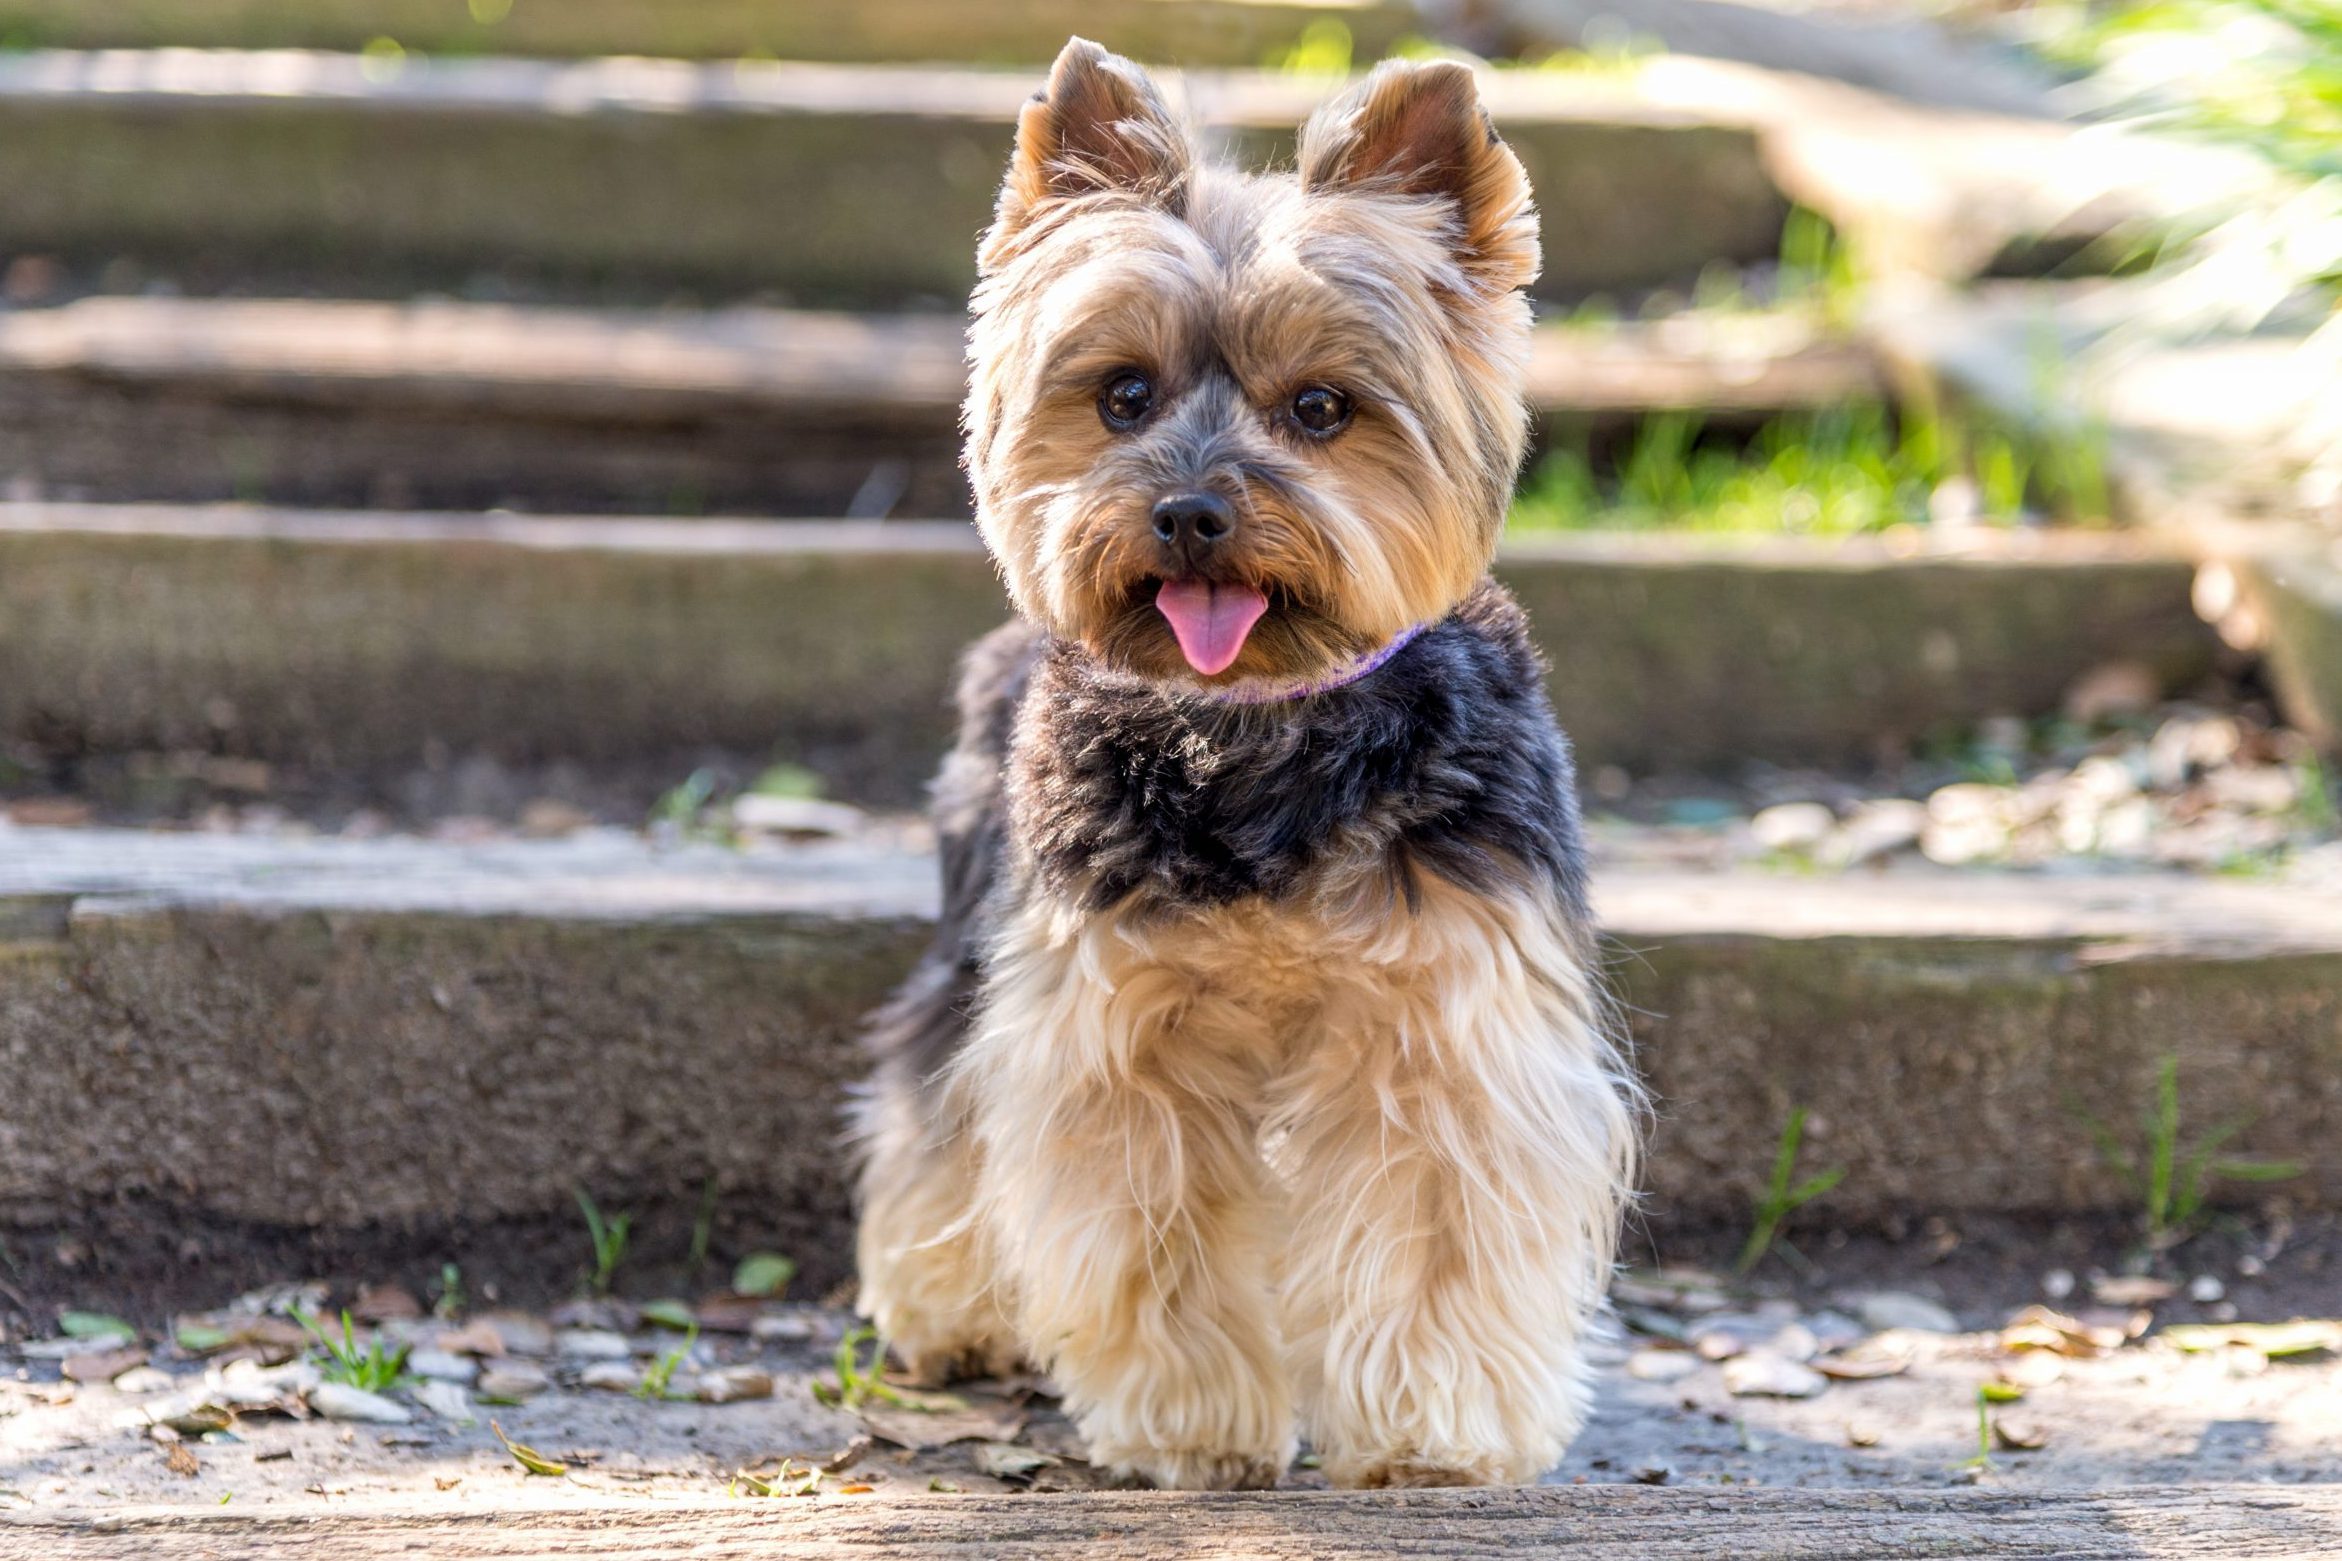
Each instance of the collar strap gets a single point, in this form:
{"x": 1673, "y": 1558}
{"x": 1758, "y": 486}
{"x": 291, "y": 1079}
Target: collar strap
{"x": 1341, "y": 677}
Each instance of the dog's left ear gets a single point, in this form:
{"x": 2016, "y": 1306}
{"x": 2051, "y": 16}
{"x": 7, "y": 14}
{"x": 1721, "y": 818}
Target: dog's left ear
{"x": 1098, "y": 127}
{"x": 1418, "y": 128}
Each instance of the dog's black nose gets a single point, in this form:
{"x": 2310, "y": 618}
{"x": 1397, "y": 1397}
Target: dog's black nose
{"x": 1189, "y": 523}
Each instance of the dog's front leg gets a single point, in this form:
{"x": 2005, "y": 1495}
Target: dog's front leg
{"x": 1459, "y": 1141}
{"x": 1126, "y": 1199}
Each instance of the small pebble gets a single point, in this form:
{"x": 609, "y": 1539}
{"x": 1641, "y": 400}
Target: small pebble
{"x": 610, "y": 1376}
{"x": 441, "y": 1366}
{"x": 2204, "y": 1289}
{"x": 2058, "y": 1283}
{"x": 513, "y": 1380}
{"x": 1886, "y": 1309}
{"x": 340, "y": 1401}
{"x": 447, "y": 1400}
{"x": 734, "y": 1383}
{"x": 1661, "y": 1365}
{"x": 1762, "y": 1375}
{"x": 593, "y": 1344}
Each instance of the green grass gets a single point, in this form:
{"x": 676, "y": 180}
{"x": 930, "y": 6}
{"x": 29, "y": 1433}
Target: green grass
{"x": 658, "y": 1378}
{"x": 609, "y": 1237}
{"x": 377, "y": 1368}
{"x": 2175, "y": 1178}
{"x": 1783, "y": 1194}
{"x": 1844, "y": 471}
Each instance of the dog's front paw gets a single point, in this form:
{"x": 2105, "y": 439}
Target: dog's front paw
{"x": 1195, "y": 1469}
{"x": 1410, "y": 1471}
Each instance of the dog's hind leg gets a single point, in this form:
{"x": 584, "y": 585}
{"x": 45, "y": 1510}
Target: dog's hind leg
{"x": 929, "y": 1282}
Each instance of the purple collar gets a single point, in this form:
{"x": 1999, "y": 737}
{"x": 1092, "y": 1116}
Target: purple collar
{"x": 1340, "y": 677}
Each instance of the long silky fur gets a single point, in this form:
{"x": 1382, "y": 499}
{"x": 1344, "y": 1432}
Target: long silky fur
{"x": 1259, "y": 1081}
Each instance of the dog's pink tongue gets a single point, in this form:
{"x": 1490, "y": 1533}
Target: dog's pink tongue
{"x": 1210, "y": 620}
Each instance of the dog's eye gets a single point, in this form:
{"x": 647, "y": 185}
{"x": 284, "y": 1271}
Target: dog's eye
{"x": 1321, "y": 410}
{"x": 1125, "y": 400}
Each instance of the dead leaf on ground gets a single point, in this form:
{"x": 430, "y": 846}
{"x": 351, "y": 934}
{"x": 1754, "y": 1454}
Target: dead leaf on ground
{"x": 846, "y": 1457}
{"x": 1008, "y": 1461}
{"x": 2039, "y": 1328}
{"x": 2275, "y": 1340}
{"x": 528, "y": 1457}
{"x": 922, "y": 1430}
{"x": 104, "y": 1366}
{"x": 385, "y": 1303}
{"x": 2019, "y": 1434}
{"x": 1863, "y": 1363}
{"x": 269, "y": 1340}
{"x": 2033, "y": 1369}
{"x": 179, "y": 1458}
{"x": 2131, "y": 1290}
{"x": 478, "y": 1337}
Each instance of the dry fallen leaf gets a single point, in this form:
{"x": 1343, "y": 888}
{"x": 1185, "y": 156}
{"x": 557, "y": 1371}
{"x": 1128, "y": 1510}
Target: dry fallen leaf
{"x": 473, "y": 1338}
{"x": 2300, "y": 1337}
{"x": 2033, "y": 1369}
{"x": 179, "y": 1458}
{"x": 103, "y": 1366}
{"x": 2131, "y": 1290}
{"x": 921, "y": 1430}
{"x": 2018, "y": 1434}
{"x": 2039, "y": 1328}
{"x": 1007, "y": 1461}
{"x": 1862, "y": 1363}
{"x": 528, "y": 1457}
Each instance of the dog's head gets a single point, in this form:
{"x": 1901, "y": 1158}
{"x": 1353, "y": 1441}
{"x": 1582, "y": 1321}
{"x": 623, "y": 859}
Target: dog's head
{"x": 1225, "y": 427}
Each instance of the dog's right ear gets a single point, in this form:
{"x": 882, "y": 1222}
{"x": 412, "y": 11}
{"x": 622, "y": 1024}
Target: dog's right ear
{"x": 1098, "y": 127}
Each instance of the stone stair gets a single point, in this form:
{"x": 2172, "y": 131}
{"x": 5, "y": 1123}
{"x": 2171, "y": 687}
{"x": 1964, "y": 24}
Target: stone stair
{"x": 744, "y": 410}
{"x": 345, "y": 1034}
{"x": 366, "y": 646}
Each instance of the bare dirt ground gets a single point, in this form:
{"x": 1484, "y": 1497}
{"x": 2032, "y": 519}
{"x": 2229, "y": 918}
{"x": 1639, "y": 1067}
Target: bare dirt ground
{"x": 2110, "y": 1381}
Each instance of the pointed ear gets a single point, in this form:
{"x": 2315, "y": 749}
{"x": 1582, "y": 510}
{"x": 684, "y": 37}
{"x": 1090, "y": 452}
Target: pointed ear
{"x": 1418, "y": 128}
{"x": 1098, "y": 126}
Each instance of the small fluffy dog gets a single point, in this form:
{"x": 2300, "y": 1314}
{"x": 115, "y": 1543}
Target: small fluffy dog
{"x": 1259, "y": 1081}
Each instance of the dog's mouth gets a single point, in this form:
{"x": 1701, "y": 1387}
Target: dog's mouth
{"x": 1176, "y": 628}
{"x": 1211, "y": 619}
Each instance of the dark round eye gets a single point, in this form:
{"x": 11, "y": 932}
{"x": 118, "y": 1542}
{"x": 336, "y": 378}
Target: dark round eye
{"x": 1125, "y": 400}
{"x": 1321, "y": 410}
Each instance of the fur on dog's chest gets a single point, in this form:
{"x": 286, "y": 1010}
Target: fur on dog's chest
{"x": 1445, "y": 760}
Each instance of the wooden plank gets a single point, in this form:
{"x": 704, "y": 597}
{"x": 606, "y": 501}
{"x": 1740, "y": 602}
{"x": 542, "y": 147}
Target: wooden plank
{"x": 645, "y": 366}
{"x": 350, "y": 645}
{"x": 641, "y": 179}
{"x": 1189, "y": 32}
{"x": 456, "y": 406}
{"x": 1596, "y": 1523}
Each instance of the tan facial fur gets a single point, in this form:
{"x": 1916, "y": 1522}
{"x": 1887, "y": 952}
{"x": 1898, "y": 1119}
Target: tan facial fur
{"x": 1388, "y": 267}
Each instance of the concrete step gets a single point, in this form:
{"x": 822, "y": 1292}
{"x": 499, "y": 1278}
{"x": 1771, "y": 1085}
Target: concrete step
{"x": 639, "y": 178}
{"x": 1191, "y": 32}
{"x": 1587, "y": 1523}
{"x": 2290, "y": 593}
{"x": 367, "y": 646}
{"x": 342, "y": 1034}
{"x": 477, "y": 406}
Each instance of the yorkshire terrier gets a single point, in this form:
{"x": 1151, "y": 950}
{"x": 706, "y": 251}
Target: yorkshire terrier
{"x": 1259, "y": 1082}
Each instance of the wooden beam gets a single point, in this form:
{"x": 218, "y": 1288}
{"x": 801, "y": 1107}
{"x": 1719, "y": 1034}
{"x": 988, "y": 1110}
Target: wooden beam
{"x": 1591, "y": 1523}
